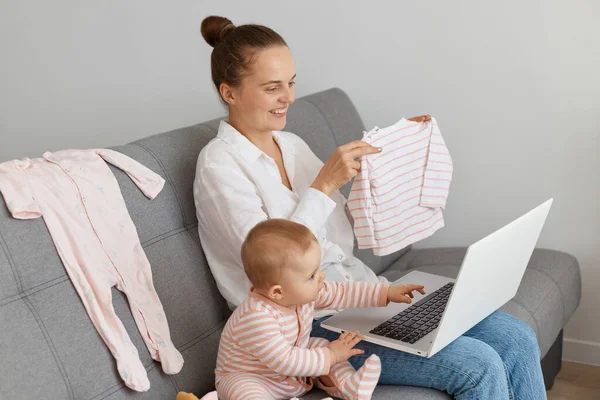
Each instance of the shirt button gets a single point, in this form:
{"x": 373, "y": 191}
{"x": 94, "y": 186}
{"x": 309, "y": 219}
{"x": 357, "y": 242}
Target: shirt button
{"x": 340, "y": 256}
{"x": 348, "y": 276}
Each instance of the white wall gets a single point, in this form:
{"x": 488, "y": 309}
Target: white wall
{"x": 514, "y": 85}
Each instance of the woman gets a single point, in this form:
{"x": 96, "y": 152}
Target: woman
{"x": 253, "y": 171}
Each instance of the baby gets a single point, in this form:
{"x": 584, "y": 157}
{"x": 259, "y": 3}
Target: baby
{"x": 266, "y": 351}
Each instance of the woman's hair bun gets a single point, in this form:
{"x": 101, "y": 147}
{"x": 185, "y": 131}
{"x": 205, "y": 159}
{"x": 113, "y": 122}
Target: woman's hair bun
{"x": 214, "y": 28}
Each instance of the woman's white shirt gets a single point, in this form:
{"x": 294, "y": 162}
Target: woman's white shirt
{"x": 238, "y": 186}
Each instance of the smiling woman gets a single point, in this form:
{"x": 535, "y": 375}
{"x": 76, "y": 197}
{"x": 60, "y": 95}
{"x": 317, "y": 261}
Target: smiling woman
{"x": 261, "y": 102}
{"x": 260, "y": 58}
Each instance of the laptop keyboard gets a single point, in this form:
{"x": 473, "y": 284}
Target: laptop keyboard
{"x": 417, "y": 320}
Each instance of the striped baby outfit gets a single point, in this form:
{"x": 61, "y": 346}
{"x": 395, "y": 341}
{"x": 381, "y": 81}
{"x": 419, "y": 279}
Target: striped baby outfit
{"x": 266, "y": 351}
{"x": 398, "y": 195}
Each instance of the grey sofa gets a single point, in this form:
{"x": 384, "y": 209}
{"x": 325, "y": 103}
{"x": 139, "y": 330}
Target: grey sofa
{"x": 50, "y": 350}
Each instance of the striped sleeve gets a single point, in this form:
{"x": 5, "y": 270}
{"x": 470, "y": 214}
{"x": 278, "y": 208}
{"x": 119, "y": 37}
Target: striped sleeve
{"x": 438, "y": 171}
{"x": 360, "y": 206}
{"x": 260, "y": 334}
{"x": 338, "y": 295}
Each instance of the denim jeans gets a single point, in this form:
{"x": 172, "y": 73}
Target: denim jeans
{"x": 499, "y": 358}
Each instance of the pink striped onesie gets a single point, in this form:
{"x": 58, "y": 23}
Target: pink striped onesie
{"x": 398, "y": 195}
{"x": 266, "y": 351}
{"x": 82, "y": 206}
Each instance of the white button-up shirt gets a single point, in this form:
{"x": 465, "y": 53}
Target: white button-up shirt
{"x": 237, "y": 186}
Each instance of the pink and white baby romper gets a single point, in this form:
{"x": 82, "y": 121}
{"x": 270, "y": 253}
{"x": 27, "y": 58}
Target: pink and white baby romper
{"x": 82, "y": 206}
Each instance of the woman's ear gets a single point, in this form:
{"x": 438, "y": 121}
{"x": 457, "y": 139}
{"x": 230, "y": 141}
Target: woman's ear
{"x": 227, "y": 94}
{"x": 275, "y": 292}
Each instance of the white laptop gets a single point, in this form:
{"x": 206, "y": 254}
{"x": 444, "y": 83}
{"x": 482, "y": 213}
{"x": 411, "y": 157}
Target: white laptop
{"x": 489, "y": 276}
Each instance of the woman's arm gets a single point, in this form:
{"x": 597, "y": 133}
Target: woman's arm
{"x": 228, "y": 205}
{"x": 342, "y": 166}
{"x": 230, "y": 200}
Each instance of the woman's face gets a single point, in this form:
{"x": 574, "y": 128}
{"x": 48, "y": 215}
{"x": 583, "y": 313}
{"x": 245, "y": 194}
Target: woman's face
{"x": 261, "y": 102}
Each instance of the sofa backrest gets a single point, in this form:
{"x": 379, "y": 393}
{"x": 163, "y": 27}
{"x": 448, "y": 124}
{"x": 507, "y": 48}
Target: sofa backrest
{"x": 48, "y": 347}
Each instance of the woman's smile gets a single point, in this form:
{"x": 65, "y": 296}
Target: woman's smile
{"x": 279, "y": 112}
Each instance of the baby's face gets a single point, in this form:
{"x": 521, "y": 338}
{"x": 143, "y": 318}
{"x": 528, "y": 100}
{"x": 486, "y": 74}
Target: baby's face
{"x": 301, "y": 283}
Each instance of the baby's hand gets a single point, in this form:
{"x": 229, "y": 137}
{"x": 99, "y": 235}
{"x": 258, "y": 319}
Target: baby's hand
{"x": 403, "y": 293}
{"x": 342, "y": 349}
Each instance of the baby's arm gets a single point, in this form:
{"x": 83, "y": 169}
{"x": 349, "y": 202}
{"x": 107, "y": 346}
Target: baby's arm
{"x": 335, "y": 295}
{"x": 361, "y": 294}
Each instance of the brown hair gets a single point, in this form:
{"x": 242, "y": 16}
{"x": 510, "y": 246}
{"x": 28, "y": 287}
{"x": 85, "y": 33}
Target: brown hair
{"x": 235, "y": 48}
{"x": 270, "y": 246}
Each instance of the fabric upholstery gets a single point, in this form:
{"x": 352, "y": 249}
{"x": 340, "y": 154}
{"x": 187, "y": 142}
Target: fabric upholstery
{"x": 50, "y": 350}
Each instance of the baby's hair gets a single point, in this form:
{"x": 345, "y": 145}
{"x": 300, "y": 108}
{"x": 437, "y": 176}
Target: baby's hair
{"x": 271, "y": 246}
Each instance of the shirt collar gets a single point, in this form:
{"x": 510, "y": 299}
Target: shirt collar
{"x": 249, "y": 151}
{"x": 286, "y": 145}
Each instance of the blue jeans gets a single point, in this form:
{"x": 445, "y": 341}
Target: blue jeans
{"x": 499, "y": 358}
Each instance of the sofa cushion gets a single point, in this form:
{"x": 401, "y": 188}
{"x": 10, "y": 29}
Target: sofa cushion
{"x": 176, "y": 153}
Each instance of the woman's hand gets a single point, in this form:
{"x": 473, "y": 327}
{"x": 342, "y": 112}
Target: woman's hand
{"x": 342, "y": 166}
{"x": 421, "y": 118}
{"x": 403, "y": 293}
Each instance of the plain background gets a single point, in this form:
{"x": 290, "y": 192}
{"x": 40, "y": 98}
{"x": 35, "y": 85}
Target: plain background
{"x": 514, "y": 85}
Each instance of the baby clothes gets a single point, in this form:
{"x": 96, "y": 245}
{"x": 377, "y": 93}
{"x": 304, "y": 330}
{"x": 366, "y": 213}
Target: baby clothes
{"x": 398, "y": 195}
{"x": 82, "y": 206}
{"x": 266, "y": 351}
